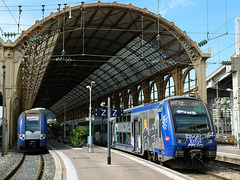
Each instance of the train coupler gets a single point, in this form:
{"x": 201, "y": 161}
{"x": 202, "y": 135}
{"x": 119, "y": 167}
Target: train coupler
{"x": 195, "y": 154}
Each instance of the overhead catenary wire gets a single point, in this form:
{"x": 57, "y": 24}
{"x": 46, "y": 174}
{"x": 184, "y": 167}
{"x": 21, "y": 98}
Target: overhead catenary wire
{"x": 18, "y": 23}
{"x": 43, "y": 6}
{"x": 226, "y": 15}
{"x": 114, "y": 29}
{"x": 226, "y": 24}
{"x": 119, "y": 29}
{"x": 207, "y": 21}
{"x": 106, "y": 29}
{"x": 9, "y": 11}
{"x": 78, "y": 2}
{"x": 20, "y": 12}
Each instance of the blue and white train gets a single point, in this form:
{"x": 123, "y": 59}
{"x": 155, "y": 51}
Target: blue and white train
{"x": 177, "y": 131}
{"x": 32, "y": 130}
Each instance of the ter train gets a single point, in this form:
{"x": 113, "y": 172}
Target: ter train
{"x": 32, "y": 129}
{"x": 177, "y": 131}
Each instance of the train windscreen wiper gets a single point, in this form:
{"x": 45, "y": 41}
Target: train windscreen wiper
{"x": 194, "y": 126}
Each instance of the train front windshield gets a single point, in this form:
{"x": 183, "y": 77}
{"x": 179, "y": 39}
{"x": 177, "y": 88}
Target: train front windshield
{"x": 190, "y": 116}
{"x": 32, "y": 122}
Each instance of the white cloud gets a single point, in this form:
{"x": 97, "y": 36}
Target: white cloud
{"x": 171, "y": 4}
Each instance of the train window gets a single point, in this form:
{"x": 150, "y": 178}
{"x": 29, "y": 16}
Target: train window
{"x": 132, "y": 128}
{"x": 129, "y": 118}
{"x": 118, "y": 119}
{"x": 151, "y": 119}
{"x": 32, "y": 122}
{"x": 124, "y": 138}
{"x": 190, "y": 116}
{"x": 32, "y": 126}
{"x": 124, "y": 117}
{"x": 117, "y": 138}
{"x": 128, "y": 139}
{"x": 160, "y": 129}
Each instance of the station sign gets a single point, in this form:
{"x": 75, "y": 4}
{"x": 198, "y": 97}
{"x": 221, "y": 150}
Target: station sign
{"x": 100, "y": 112}
{"x": 115, "y": 112}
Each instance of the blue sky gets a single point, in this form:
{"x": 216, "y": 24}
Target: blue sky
{"x": 188, "y": 15}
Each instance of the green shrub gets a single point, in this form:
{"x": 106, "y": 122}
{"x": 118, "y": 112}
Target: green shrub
{"x": 76, "y": 137}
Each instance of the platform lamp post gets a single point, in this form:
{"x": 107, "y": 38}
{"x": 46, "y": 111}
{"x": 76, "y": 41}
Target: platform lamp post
{"x": 236, "y": 109}
{"x": 90, "y": 115}
{"x": 108, "y": 129}
{"x": 4, "y": 129}
{"x": 64, "y": 125}
{"x": 108, "y": 132}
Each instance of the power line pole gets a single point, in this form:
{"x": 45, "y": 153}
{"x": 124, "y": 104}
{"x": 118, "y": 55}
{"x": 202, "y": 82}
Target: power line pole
{"x": 64, "y": 125}
{"x": 4, "y": 124}
{"x": 216, "y": 81}
{"x": 237, "y": 19}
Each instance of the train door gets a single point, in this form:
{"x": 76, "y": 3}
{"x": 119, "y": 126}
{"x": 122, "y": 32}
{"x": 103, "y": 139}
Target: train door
{"x": 136, "y": 129}
{"x": 159, "y": 117}
{"x": 151, "y": 130}
{"x": 137, "y": 135}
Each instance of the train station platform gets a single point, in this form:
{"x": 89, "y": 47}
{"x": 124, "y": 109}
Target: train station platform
{"x": 79, "y": 164}
{"x": 228, "y": 153}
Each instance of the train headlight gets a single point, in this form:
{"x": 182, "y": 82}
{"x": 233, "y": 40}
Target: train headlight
{"x": 21, "y": 136}
{"x": 43, "y": 136}
{"x": 181, "y": 141}
{"x": 209, "y": 141}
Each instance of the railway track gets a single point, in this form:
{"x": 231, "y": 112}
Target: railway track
{"x": 30, "y": 167}
{"x": 201, "y": 174}
{"x": 215, "y": 170}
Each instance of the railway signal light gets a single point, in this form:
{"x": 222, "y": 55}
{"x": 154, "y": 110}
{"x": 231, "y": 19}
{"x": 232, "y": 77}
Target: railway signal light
{"x": 226, "y": 63}
{"x": 202, "y": 43}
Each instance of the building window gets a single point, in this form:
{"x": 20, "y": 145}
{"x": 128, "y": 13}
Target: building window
{"x": 130, "y": 99}
{"x": 141, "y": 96}
{"x": 154, "y": 93}
{"x": 169, "y": 91}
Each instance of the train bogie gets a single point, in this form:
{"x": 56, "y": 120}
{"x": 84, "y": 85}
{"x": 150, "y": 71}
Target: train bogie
{"x": 32, "y": 129}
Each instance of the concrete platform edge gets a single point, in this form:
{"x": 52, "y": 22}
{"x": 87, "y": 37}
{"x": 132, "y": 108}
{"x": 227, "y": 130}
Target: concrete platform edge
{"x": 58, "y": 166}
{"x": 228, "y": 158}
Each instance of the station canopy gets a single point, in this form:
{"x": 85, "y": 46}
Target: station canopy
{"x": 113, "y": 44}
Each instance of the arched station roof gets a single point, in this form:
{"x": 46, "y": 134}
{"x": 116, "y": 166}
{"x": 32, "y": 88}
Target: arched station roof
{"x": 109, "y": 43}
